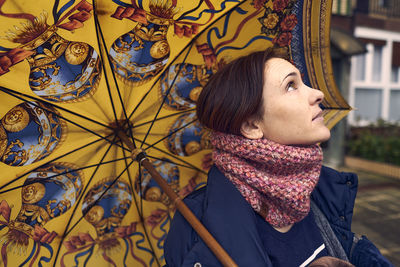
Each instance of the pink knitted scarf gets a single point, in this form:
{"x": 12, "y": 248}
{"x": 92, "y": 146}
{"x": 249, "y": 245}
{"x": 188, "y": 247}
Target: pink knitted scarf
{"x": 276, "y": 180}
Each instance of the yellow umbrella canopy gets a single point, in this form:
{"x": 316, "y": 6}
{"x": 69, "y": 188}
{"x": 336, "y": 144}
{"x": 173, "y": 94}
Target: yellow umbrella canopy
{"x": 75, "y": 75}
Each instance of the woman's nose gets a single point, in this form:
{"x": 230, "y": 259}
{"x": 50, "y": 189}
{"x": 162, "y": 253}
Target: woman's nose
{"x": 316, "y": 96}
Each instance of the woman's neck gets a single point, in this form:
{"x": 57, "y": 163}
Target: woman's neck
{"x": 284, "y": 229}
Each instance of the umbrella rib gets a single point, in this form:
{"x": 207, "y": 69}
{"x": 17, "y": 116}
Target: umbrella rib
{"x": 143, "y": 98}
{"x": 114, "y": 78}
{"x": 140, "y": 212}
{"x": 165, "y": 117}
{"x": 103, "y": 66}
{"x": 9, "y": 91}
{"x": 140, "y": 189}
{"x": 151, "y": 88}
{"x": 169, "y": 161}
{"x": 171, "y": 133}
{"x": 179, "y": 54}
{"x": 165, "y": 97}
{"x": 189, "y": 45}
{"x": 59, "y": 157}
{"x": 80, "y": 199}
{"x": 175, "y": 157}
{"x": 58, "y": 115}
{"x": 55, "y": 175}
{"x": 145, "y": 95}
{"x": 100, "y": 197}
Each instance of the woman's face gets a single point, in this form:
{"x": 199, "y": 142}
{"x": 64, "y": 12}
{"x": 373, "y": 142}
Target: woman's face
{"x": 292, "y": 115}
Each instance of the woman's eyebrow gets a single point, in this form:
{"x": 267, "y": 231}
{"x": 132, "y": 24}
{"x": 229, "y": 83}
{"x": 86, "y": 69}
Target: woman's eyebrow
{"x": 290, "y": 74}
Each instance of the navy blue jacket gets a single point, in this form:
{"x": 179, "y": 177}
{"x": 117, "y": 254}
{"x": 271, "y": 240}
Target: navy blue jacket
{"x": 232, "y": 221}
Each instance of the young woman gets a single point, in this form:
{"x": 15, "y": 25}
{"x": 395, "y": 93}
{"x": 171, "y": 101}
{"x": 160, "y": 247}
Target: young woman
{"x": 268, "y": 200}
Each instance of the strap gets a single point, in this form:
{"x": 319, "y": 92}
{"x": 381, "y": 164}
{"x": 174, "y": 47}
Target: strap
{"x": 332, "y": 244}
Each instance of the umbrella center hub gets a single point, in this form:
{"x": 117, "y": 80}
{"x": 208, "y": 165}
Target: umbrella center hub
{"x": 120, "y": 126}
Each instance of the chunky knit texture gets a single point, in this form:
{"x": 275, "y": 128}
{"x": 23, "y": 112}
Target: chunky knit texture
{"x": 276, "y": 180}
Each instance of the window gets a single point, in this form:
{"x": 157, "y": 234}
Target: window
{"x": 374, "y": 89}
{"x": 368, "y": 103}
{"x": 394, "y": 77}
{"x": 383, "y": 3}
{"x": 377, "y": 63}
{"x": 360, "y": 67}
{"x": 394, "y": 111}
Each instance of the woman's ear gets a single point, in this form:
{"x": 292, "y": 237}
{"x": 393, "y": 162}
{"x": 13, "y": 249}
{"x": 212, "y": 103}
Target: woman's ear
{"x": 251, "y": 129}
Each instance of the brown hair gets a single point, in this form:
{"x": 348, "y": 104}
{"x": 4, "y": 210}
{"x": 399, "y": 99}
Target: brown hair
{"x": 234, "y": 93}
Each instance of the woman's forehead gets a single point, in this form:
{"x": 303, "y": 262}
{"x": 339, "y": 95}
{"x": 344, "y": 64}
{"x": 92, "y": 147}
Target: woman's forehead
{"x": 277, "y": 69}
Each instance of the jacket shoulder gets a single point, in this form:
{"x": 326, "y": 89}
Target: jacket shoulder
{"x": 335, "y": 196}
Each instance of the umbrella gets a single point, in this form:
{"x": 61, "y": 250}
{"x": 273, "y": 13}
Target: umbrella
{"x": 98, "y": 101}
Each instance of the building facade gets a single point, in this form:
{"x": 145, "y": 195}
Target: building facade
{"x": 374, "y": 89}
{"x": 365, "y": 55}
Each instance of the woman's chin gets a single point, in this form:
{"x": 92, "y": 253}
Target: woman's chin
{"x": 322, "y": 136}
{"x": 325, "y": 135}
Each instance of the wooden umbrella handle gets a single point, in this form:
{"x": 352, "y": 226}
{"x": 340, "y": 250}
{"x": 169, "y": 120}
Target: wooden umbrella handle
{"x": 208, "y": 239}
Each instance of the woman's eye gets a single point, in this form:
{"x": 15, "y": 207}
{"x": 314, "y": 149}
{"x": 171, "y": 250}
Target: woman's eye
{"x": 291, "y": 87}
